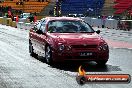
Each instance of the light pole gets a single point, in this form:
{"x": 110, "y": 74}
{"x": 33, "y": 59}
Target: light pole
{"x": 57, "y": 9}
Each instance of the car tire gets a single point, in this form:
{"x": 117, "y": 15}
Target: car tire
{"x": 48, "y": 55}
{"x": 101, "y": 63}
{"x": 31, "y": 51}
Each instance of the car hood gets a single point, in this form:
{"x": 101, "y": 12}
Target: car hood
{"x": 77, "y": 38}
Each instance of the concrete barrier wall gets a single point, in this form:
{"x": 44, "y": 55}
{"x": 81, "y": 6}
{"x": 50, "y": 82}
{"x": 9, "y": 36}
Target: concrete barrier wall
{"x": 26, "y": 26}
{"x": 108, "y": 23}
{"x": 4, "y": 21}
{"x": 96, "y": 22}
{"x": 87, "y": 19}
{"x": 8, "y": 21}
{"x": 13, "y": 24}
{"x": 112, "y": 24}
{"x": 1, "y": 20}
{"x": 21, "y": 25}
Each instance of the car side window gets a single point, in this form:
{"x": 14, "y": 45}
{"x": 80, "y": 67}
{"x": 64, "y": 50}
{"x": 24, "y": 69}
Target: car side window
{"x": 39, "y": 24}
{"x": 42, "y": 27}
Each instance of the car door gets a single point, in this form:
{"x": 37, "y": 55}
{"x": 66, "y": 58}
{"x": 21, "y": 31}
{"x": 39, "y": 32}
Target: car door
{"x": 34, "y": 37}
{"x": 41, "y": 39}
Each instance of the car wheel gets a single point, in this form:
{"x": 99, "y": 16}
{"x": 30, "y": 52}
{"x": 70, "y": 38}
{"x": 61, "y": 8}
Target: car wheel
{"x": 31, "y": 49}
{"x": 48, "y": 55}
{"x": 101, "y": 63}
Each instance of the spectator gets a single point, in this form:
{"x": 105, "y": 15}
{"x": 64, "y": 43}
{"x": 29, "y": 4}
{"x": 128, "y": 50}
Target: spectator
{"x": 119, "y": 25}
{"x": 104, "y": 21}
{"x": 12, "y": 17}
{"x": 35, "y": 18}
{"x": 31, "y": 18}
{"x": 9, "y": 14}
{"x": 35, "y": 14}
{"x": 17, "y": 18}
{"x": 126, "y": 26}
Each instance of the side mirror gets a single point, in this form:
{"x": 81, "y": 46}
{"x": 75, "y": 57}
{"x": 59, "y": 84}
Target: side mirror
{"x": 44, "y": 33}
{"x": 98, "y": 31}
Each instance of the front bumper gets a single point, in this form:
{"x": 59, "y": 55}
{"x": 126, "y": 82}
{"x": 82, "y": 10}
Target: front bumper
{"x": 75, "y": 56}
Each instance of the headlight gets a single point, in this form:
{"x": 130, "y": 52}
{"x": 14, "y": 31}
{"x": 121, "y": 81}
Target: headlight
{"x": 103, "y": 46}
{"x": 100, "y": 47}
{"x": 61, "y": 47}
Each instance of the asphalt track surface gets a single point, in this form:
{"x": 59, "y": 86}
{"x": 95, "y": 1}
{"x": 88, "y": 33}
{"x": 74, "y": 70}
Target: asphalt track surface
{"x": 19, "y": 70}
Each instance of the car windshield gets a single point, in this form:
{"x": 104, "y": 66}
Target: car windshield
{"x": 66, "y": 26}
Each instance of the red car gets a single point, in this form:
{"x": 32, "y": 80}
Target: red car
{"x": 60, "y": 39}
